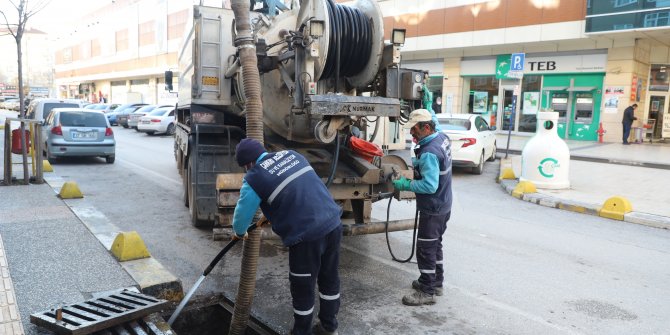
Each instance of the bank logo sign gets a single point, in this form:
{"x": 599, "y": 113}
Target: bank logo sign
{"x": 548, "y": 166}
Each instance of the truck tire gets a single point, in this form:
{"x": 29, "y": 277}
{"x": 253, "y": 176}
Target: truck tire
{"x": 185, "y": 183}
{"x": 193, "y": 207}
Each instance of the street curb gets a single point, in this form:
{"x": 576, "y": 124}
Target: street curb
{"x": 151, "y": 277}
{"x": 645, "y": 219}
{"x": 601, "y": 160}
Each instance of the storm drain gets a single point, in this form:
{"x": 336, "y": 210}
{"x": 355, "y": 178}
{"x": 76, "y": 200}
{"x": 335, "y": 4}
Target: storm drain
{"x": 116, "y": 313}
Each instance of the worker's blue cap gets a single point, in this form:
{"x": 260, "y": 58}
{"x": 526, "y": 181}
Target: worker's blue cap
{"x": 247, "y": 151}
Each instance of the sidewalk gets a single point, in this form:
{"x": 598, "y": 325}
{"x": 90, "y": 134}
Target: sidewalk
{"x": 638, "y": 172}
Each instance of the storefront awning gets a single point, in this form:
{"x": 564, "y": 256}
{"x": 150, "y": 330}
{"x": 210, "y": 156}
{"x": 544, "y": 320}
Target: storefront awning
{"x": 581, "y": 88}
{"x": 554, "y": 88}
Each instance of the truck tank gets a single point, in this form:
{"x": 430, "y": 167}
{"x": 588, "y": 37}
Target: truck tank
{"x": 327, "y": 76}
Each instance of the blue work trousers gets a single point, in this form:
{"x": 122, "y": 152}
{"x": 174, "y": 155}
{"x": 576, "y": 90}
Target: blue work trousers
{"x": 626, "y": 132}
{"x": 429, "y": 250}
{"x": 310, "y": 263}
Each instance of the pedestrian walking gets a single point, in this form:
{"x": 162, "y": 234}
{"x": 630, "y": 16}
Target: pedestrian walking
{"x": 303, "y": 213}
{"x": 628, "y": 118}
{"x": 432, "y": 185}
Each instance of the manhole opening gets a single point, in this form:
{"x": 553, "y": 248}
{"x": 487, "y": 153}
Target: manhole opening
{"x": 212, "y": 319}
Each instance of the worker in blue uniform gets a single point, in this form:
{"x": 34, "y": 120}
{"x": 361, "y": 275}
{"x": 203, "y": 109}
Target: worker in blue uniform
{"x": 432, "y": 185}
{"x": 303, "y": 213}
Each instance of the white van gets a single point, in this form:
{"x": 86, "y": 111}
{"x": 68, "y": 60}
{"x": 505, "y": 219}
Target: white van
{"x": 39, "y": 109}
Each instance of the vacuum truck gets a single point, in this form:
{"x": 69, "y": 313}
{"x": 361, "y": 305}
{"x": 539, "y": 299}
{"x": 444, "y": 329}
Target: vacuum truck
{"x": 330, "y": 86}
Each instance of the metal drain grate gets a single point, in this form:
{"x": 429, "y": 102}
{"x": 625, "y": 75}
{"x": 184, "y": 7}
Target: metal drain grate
{"x": 101, "y": 313}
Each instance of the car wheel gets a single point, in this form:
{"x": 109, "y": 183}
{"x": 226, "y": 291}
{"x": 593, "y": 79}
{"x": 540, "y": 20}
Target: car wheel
{"x": 480, "y": 167}
{"x": 170, "y": 129}
{"x": 125, "y": 126}
{"x": 493, "y": 154}
{"x": 137, "y": 130}
{"x": 110, "y": 159}
{"x": 150, "y": 133}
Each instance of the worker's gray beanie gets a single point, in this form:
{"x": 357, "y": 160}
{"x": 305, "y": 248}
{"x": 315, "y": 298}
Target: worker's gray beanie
{"x": 247, "y": 151}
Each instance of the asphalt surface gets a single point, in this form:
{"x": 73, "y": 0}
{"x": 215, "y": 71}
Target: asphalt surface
{"x": 512, "y": 267}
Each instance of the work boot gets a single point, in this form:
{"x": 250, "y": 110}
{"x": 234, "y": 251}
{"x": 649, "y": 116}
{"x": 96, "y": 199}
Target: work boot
{"x": 438, "y": 290}
{"x": 319, "y": 330}
{"x": 418, "y": 298}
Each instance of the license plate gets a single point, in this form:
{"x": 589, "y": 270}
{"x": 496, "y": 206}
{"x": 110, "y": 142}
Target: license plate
{"x": 145, "y": 122}
{"x": 83, "y": 135}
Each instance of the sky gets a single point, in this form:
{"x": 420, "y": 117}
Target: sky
{"x": 57, "y": 16}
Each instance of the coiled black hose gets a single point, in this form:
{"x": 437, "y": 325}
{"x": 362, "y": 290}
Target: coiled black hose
{"x": 353, "y": 30}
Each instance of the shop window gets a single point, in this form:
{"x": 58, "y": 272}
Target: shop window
{"x": 659, "y": 80}
{"x": 530, "y": 103}
{"x": 483, "y": 96}
{"x": 435, "y": 86}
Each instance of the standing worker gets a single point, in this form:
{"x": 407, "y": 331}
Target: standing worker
{"x": 303, "y": 213}
{"x": 628, "y": 118}
{"x": 432, "y": 185}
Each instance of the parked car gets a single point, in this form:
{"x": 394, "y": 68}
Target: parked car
{"x": 8, "y": 104}
{"x": 160, "y": 120}
{"x": 103, "y": 107}
{"x": 135, "y": 116}
{"x": 472, "y": 140}
{"x": 78, "y": 132}
{"x": 39, "y": 109}
{"x": 122, "y": 109}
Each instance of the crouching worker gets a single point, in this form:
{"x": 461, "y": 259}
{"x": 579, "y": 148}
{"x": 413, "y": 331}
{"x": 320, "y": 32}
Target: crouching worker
{"x": 303, "y": 213}
{"x": 432, "y": 185}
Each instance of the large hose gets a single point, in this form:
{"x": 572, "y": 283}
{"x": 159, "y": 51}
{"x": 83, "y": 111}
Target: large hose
{"x": 254, "y": 128}
{"x": 350, "y": 38}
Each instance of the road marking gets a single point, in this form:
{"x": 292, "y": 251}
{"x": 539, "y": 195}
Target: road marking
{"x": 497, "y": 304}
{"x": 155, "y": 174}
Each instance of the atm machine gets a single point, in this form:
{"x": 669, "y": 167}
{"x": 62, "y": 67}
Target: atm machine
{"x": 582, "y": 124}
{"x": 559, "y": 103}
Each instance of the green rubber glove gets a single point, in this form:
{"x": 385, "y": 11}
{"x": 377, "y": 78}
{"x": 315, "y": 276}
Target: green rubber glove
{"x": 402, "y": 184}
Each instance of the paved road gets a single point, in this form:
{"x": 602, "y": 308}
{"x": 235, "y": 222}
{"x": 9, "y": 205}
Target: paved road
{"x": 513, "y": 267}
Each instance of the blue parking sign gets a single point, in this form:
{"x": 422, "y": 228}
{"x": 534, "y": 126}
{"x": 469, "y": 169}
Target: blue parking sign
{"x": 517, "y": 61}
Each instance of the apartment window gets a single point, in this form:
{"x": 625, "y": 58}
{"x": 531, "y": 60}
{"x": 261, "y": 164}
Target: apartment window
{"x": 176, "y": 24}
{"x": 657, "y": 19}
{"x": 67, "y": 55}
{"x": 95, "y": 48}
{"x": 147, "y": 33}
{"x": 621, "y": 3}
{"x": 122, "y": 40}
{"x": 622, "y": 26}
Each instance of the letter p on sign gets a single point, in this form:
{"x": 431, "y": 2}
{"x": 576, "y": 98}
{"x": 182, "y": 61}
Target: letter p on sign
{"x": 517, "y": 61}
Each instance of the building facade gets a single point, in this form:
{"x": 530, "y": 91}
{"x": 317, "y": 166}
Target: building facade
{"x": 586, "y": 59}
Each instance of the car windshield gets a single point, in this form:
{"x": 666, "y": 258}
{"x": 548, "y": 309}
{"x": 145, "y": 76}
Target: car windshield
{"x": 160, "y": 112}
{"x": 455, "y": 124}
{"x": 145, "y": 109}
{"x": 81, "y": 119}
{"x": 51, "y": 105}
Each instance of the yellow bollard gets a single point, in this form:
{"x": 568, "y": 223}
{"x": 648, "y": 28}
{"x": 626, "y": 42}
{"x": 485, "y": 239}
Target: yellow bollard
{"x": 129, "y": 246}
{"x": 615, "y": 208}
{"x": 46, "y": 166}
{"x": 70, "y": 190}
{"x": 522, "y": 188}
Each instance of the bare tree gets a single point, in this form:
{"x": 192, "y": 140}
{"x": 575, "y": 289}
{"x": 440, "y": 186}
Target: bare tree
{"x": 24, "y": 11}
